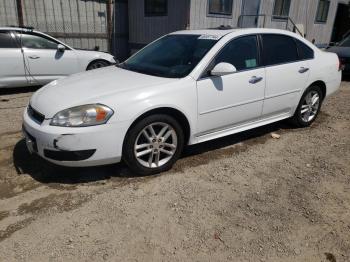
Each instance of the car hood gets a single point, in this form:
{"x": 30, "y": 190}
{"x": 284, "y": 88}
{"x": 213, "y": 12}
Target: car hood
{"x": 90, "y": 87}
{"x": 340, "y": 51}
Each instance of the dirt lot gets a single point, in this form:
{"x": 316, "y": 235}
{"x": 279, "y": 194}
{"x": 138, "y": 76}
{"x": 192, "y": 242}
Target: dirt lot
{"x": 247, "y": 197}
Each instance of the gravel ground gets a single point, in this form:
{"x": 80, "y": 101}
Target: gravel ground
{"x": 247, "y": 197}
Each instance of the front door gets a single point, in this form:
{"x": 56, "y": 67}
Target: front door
{"x": 235, "y": 99}
{"x": 12, "y": 72}
{"x": 250, "y": 12}
{"x": 45, "y": 62}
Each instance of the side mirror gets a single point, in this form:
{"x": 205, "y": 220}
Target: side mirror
{"x": 61, "y": 48}
{"x": 222, "y": 69}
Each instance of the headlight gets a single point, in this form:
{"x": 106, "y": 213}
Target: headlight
{"x": 86, "y": 115}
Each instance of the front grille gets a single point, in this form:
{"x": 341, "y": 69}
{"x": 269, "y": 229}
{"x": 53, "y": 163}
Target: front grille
{"x": 69, "y": 155}
{"x": 35, "y": 115}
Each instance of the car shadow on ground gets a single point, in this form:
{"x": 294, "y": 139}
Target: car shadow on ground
{"x": 18, "y": 90}
{"x": 346, "y": 78}
{"x": 46, "y": 172}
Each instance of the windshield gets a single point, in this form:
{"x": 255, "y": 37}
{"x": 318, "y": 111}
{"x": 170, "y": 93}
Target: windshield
{"x": 172, "y": 56}
{"x": 345, "y": 42}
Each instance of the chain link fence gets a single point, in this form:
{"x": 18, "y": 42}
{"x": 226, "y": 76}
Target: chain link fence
{"x": 79, "y": 23}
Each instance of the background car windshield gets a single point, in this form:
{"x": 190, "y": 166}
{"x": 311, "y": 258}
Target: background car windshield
{"x": 345, "y": 43}
{"x": 173, "y": 56}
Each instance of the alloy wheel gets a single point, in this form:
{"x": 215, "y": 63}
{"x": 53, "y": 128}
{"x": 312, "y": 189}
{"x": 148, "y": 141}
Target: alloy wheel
{"x": 155, "y": 145}
{"x": 310, "y": 106}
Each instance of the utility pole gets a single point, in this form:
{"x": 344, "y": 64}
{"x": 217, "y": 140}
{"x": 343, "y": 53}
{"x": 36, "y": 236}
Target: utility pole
{"x": 20, "y": 12}
{"x": 109, "y": 24}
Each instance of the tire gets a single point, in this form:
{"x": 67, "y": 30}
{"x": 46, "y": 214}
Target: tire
{"x": 97, "y": 64}
{"x": 148, "y": 152}
{"x": 307, "y": 110}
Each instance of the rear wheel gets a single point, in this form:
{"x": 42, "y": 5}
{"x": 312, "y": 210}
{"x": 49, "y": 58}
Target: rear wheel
{"x": 309, "y": 107}
{"x": 97, "y": 64}
{"x": 153, "y": 144}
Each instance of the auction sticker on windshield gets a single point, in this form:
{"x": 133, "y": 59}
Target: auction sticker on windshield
{"x": 209, "y": 37}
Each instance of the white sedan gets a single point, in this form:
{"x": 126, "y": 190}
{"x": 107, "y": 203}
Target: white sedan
{"x": 185, "y": 88}
{"x": 29, "y": 57}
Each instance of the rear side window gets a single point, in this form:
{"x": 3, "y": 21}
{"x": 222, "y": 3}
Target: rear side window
{"x": 241, "y": 52}
{"x": 279, "y": 49}
{"x": 6, "y": 40}
{"x": 304, "y": 51}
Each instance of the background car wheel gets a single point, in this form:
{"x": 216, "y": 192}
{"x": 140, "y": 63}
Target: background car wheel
{"x": 97, "y": 64}
{"x": 153, "y": 144}
{"x": 309, "y": 107}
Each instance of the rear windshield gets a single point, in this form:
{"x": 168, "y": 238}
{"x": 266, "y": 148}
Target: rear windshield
{"x": 173, "y": 56}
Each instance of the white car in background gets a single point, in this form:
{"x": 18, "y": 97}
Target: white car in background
{"x": 185, "y": 88}
{"x": 29, "y": 57}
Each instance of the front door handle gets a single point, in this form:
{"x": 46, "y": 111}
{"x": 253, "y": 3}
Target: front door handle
{"x": 303, "y": 70}
{"x": 255, "y": 79}
{"x": 34, "y": 57}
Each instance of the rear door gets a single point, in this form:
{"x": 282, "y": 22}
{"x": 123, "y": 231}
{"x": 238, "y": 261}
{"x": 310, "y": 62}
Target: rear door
{"x": 11, "y": 62}
{"x": 286, "y": 74}
{"x": 45, "y": 62}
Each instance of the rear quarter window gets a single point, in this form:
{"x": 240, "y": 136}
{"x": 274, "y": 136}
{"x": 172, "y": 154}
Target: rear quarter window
{"x": 304, "y": 51}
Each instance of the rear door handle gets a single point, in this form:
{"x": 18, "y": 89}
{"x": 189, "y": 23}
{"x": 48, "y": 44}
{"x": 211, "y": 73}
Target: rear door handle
{"x": 255, "y": 79}
{"x": 34, "y": 57}
{"x": 303, "y": 70}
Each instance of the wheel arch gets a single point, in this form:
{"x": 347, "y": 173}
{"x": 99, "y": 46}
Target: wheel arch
{"x": 175, "y": 113}
{"x": 321, "y": 84}
{"x": 96, "y": 60}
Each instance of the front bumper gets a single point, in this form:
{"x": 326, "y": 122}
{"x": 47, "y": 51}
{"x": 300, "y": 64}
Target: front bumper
{"x": 75, "y": 146}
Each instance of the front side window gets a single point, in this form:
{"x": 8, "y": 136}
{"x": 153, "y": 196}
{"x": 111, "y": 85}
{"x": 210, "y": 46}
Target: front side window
{"x": 172, "y": 56}
{"x": 6, "y": 41}
{"x": 281, "y": 9}
{"x": 279, "y": 49}
{"x": 220, "y": 7}
{"x": 322, "y": 11}
{"x": 156, "y": 7}
{"x": 36, "y": 42}
{"x": 241, "y": 53}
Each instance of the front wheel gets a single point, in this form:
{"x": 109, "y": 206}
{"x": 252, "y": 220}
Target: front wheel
{"x": 309, "y": 107}
{"x": 153, "y": 144}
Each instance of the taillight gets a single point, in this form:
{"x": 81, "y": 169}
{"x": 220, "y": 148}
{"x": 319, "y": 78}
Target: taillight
{"x": 341, "y": 64}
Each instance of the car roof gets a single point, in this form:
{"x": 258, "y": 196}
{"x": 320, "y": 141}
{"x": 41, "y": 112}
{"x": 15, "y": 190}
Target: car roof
{"x": 217, "y": 34}
{"x": 29, "y": 29}
{"x": 15, "y": 28}
{"x": 225, "y": 31}
{"x": 23, "y": 29}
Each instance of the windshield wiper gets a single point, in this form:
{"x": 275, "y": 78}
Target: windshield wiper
{"x": 138, "y": 70}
